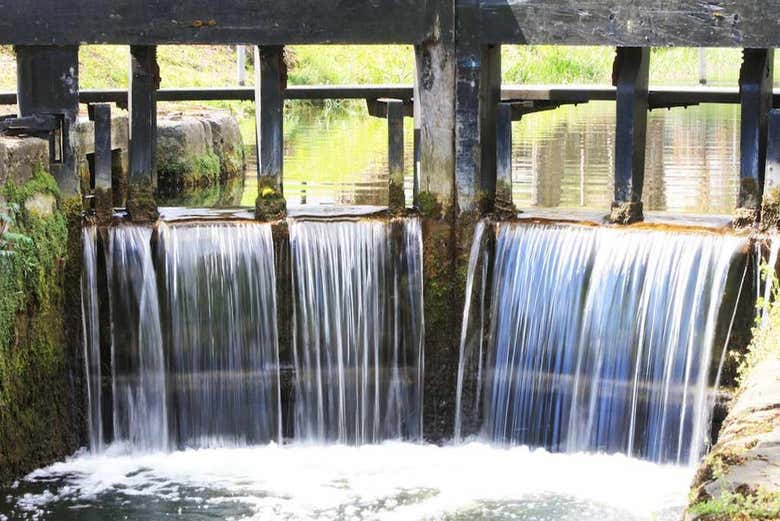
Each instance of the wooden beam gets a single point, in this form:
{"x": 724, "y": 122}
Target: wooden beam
{"x": 264, "y": 22}
{"x": 270, "y": 82}
{"x": 631, "y": 75}
{"x": 395, "y": 154}
{"x": 100, "y": 113}
{"x": 504, "y": 157}
{"x": 646, "y": 23}
{"x": 142, "y": 113}
{"x": 436, "y": 77}
{"x": 770, "y": 214}
{"x": 48, "y": 84}
{"x": 755, "y": 87}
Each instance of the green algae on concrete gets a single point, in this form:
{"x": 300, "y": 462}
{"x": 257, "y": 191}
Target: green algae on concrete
{"x": 270, "y": 205}
{"x": 37, "y": 414}
{"x": 141, "y": 203}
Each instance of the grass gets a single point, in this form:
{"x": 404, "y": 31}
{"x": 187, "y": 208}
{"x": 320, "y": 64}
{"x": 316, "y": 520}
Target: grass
{"x": 732, "y": 506}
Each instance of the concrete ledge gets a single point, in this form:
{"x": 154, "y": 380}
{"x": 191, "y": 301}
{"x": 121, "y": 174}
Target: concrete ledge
{"x": 20, "y": 156}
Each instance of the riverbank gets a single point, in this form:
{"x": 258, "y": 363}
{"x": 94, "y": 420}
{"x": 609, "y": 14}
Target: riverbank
{"x": 740, "y": 478}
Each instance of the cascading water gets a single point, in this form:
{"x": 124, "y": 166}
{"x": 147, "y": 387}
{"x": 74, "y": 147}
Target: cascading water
{"x": 91, "y": 328}
{"x": 598, "y": 339}
{"x": 358, "y": 326}
{"x": 221, "y": 330}
{"x": 137, "y": 360}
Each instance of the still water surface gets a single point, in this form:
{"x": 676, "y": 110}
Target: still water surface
{"x": 562, "y": 159}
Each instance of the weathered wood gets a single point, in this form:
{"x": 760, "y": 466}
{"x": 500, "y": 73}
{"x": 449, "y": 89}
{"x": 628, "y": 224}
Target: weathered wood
{"x": 436, "y": 77}
{"x": 631, "y": 76}
{"x": 100, "y": 113}
{"x": 647, "y": 23}
{"x": 770, "y": 215}
{"x": 265, "y": 22}
{"x": 395, "y": 154}
{"x": 142, "y": 113}
{"x": 478, "y": 91}
{"x": 755, "y": 87}
{"x": 504, "y": 157}
{"x": 270, "y": 82}
{"x": 48, "y": 84}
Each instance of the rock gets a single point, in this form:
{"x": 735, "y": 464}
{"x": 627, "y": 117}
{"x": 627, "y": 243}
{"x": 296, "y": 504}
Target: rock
{"x": 227, "y": 143}
{"x": 20, "y": 157}
{"x": 185, "y": 153}
{"x": 43, "y": 205}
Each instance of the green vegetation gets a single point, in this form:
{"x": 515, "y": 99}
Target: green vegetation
{"x": 33, "y": 366}
{"x": 732, "y": 506}
{"x": 203, "y": 170}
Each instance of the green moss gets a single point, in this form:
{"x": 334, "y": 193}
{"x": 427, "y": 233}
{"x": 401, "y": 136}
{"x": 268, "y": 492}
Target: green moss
{"x": 141, "y": 203}
{"x": 203, "y": 170}
{"x": 739, "y": 507}
{"x": 428, "y": 205}
{"x": 34, "y": 406}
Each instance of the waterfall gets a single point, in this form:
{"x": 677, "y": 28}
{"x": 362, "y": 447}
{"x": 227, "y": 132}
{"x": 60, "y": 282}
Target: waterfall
{"x": 91, "y": 328}
{"x": 137, "y": 360}
{"x": 221, "y": 333}
{"x": 598, "y": 339}
{"x": 358, "y": 330}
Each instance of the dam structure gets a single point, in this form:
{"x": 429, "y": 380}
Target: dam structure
{"x": 447, "y": 354}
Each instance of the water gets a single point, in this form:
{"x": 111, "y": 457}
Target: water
{"x": 91, "y": 328}
{"x": 388, "y": 482}
{"x": 140, "y": 408}
{"x": 600, "y": 339}
{"x": 222, "y": 345}
{"x": 358, "y": 333}
{"x": 562, "y": 159}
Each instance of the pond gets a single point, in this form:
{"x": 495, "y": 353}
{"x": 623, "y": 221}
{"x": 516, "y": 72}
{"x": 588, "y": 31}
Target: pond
{"x": 562, "y": 159}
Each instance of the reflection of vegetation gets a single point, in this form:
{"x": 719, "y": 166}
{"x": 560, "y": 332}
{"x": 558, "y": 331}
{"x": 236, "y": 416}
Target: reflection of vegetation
{"x": 220, "y": 195}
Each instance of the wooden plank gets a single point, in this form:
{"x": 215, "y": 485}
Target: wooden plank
{"x": 265, "y": 22}
{"x": 631, "y": 75}
{"x": 646, "y": 23}
{"x": 100, "y": 113}
{"x": 770, "y": 216}
{"x": 142, "y": 113}
{"x": 48, "y": 84}
{"x": 755, "y": 85}
{"x": 504, "y": 157}
{"x": 395, "y": 154}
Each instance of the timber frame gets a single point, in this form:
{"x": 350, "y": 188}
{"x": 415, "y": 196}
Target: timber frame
{"x": 462, "y": 150}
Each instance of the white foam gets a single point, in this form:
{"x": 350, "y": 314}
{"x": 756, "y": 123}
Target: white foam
{"x": 393, "y": 481}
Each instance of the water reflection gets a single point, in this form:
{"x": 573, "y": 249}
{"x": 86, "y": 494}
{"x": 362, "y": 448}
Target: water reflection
{"x": 562, "y": 159}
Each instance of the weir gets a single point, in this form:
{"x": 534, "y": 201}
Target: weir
{"x": 282, "y": 359}
{"x": 581, "y": 339}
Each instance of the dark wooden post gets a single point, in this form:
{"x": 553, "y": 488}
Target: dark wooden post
{"x": 48, "y": 83}
{"x": 504, "y": 158}
{"x": 416, "y": 110}
{"x": 755, "y": 91}
{"x": 270, "y": 82}
{"x": 142, "y": 108}
{"x": 630, "y": 76}
{"x": 770, "y": 215}
{"x": 478, "y": 92}
{"x": 395, "y": 154}
{"x": 100, "y": 114}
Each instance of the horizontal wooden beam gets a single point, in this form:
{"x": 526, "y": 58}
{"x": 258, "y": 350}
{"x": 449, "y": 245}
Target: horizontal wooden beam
{"x": 267, "y": 22}
{"x": 636, "y": 23}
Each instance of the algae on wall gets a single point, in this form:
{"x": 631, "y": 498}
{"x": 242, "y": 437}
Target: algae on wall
{"x": 37, "y": 400}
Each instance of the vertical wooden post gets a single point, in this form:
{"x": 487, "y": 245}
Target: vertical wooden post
{"x": 436, "y": 89}
{"x": 100, "y": 114}
{"x": 630, "y": 76}
{"x": 478, "y": 92}
{"x": 270, "y": 82}
{"x": 395, "y": 148}
{"x": 504, "y": 158}
{"x": 48, "y": 83}
{"x": 770, "y": 215}
{"x": 755, "y": 91}
{"x": 417, "y": 110}
{"x": 142, "y": 112}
